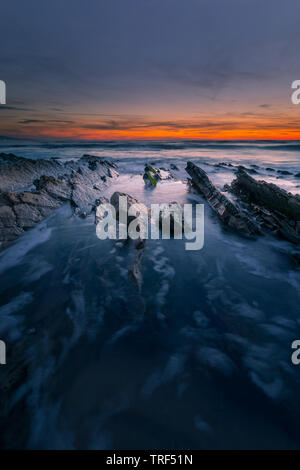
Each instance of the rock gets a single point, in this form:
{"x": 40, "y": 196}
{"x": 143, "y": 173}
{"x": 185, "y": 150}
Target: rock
{"x": 284, "y": 172}
{"x": 221, "y": 164}
{"x": 270, "y": 169}
{"x": 114, "y": 200}
{"x": 248, "y": 170}
{"x": 267, "y": 195}
{"x": 165, "y": 175}
{"x": 151, "y": 176}
{"x": 135, "y": 271}
{"x": 297, "y": 175}
{"x": 54, "y": 183}
{"x": 274, "y": 208}
{"x": 57, "y": 188}
{"x": 174, "y": 167}
{"x": 230, "y": 214}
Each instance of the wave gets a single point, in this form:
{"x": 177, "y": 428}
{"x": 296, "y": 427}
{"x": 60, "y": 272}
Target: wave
{"x": 177, "y": 145}
{"x": 160, "y": 145}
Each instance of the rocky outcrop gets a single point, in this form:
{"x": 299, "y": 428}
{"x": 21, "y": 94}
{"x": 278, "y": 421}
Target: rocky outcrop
{"x": 135, "y": 270}
{"x": 275, "y": 209}
{"x": 151, "y": 176}
{"x": 231, "y": 214}
{"x": 267, "y": 195}
{"x": 51, "y": 183}
{"x": 114, "y": 200}
{"x": 174, "y": 167}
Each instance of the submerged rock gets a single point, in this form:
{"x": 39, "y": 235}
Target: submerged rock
{"x": 135, "y": 270}
{"x": 51, "y": 183}
{"x": 284, "y": 172}
{"x": 174, "y": 167}
{"x": 230, "y": 214}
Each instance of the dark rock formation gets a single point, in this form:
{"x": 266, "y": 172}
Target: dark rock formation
{"x": 174, "y": 167}
{"x": 135, "y": 270}
{"x": 274, "y": 208}
{"x": 284, "y": 172}
{"x": 114, "y": 200}
{"x": 267, "y": 195}
{"x": 230, "y": 214}
{"x": 49, "y": 184}
{"x": 151, "y": 176}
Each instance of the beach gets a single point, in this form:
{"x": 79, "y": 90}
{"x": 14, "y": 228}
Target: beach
{"x": 198, "y": 358}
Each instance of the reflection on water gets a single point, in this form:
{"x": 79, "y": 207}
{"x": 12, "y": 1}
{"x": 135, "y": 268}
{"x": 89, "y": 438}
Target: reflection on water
{"x": 199, "y": 359}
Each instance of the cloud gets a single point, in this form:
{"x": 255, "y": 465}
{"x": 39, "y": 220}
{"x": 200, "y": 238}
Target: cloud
{"x": 45, "y": 121}
{"x": 15, "y": 108}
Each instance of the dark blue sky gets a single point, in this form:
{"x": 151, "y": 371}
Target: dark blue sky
{"x": 108, "y": 66}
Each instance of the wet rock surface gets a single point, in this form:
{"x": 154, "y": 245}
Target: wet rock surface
{"x": 152, "y": 175}
{"x": 260, "y": 207}
{"x": 230, "y": 214}
{"x": 274, "y": 208}
{"x": 50, "y": 184}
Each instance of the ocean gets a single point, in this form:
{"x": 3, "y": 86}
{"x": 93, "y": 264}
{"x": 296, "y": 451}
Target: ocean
{"x": 200, "y": 359}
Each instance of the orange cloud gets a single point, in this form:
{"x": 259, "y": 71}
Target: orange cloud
{"x": 243, "y": 126}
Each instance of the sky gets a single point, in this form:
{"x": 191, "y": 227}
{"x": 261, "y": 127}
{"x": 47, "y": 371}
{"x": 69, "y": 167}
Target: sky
{"x": 150, "y": 69}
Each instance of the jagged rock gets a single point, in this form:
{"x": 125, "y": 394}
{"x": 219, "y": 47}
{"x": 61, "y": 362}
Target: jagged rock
{"x": 78, "y": 181}
{"x": 275, "y": 209}
{"x": 230, "y": 214}
{"x": 267, "y": 195}
{"x": 135, "y": 270}
{"x": 164, "y": 174}
{"x": 248, "y": 170}
{"x": 114, "y": 200}
{"x": 151, "y": 176}
{"x": 58, "y": 188}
